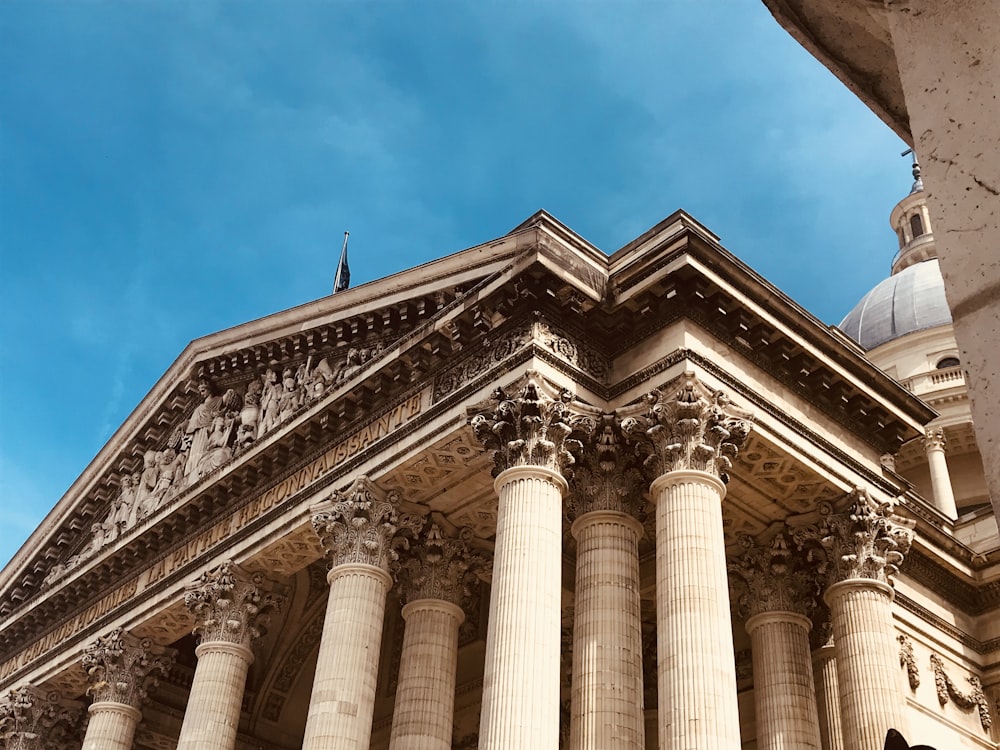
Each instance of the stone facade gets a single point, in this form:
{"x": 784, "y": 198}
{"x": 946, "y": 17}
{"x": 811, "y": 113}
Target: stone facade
{"x": 536, "y": 497}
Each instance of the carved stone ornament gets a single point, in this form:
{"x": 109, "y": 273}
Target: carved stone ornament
{"x": 934, "y": 440}
{"x": 946, "y": 690}
{"x": 231, "y": 604}
{"x": 441, "y": 567}
{"x": 908, "y": 660}
{"x": 770, "y": 578}
{"x": 531, "y": 428}
{"x": 694, "y": 428}
{"x": 121, "y": 667}
{"x": 864, "y": 540}
{"x": 607, "y": 475}
{"x": 362, "y": 524}
{"x": 33, "y": 719}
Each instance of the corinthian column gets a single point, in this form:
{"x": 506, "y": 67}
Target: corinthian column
{"x": 690, "y": 438}
{"x": 33, "y": 719}
{"x": 863, "y": 545}
{"x": 944, "y": 495}
{"x": 775, "y": 595}
{"x": 230, "y": 606}
{"x": 824, "y": 658}
{"x": 121, "y": 668}
{"x": 606, "y": 496}
{"x": 434, "y": 582}
{"x": 528, "y": 434}
{"x": 359, "y": 528}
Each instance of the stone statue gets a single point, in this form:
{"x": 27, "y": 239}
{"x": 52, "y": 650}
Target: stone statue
{"x": 250, "y": 415}
{"x": 290, "y": 397}
{"x": 268, "y": 402}
{"x": 199, "y": 424}
{"x": 217, "y": 451}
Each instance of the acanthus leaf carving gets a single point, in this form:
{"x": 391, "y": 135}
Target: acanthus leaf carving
{"x": 35, "y": 719}
{"x": 606, "y": 476}
{"x": 231, "y": 604}
{"x": 864, "y": 540}
{"x": 770, "y": 578}
{"x": 122, "y": 668}
{"x": 696, "y": 428}
{"x": 531, "y": 428}
{"x": 364, "y": 525}
{"x": 438, "y": 566}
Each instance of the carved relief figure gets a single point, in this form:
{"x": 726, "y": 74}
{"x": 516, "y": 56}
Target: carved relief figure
{"x": 217, "y": 451}
{"x": 268, "y": 403}
{"x": 199, "y": 424}
{"x": 290, "y": 396}
{"x": 250, "y": 415}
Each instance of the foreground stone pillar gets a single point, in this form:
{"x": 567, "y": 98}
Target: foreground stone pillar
{"x": 121, "y": 668}
{"x": 33, "y": 719}
{"x": 434, "y": 581}
{"x": 230, "y": 606}
{"x": 359, "y": 528}
{"x": 864, "y": 544}
{"x": 690, "y": 438}
{"x": 775, "y": 595}
{"x": 944, "y": 495}
{"x": 606, "y": 709}
{"x": 528, "y": 434}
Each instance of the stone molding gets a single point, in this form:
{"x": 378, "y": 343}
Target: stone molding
{"x": 695, "y": 428}
{"x": 121, "y": 668}
{"x": 231, "y": 605}
{"x": 33, "y": 719}
{"x": 864, "y": 540}
{"x": 531, "y": 428}
{"x": 438, "y": 566}
{"x": 362, "y": 525}
{"x": 770, "y": 578}
{"x": 607, "y": 475}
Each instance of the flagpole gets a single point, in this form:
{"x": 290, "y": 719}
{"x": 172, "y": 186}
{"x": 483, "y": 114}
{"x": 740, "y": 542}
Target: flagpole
{"x": 340, "y": 264}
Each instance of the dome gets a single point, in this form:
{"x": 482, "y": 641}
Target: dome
{"x": 911, "y": 300}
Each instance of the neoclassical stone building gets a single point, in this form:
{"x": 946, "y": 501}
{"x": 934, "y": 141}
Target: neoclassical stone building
{"x": 526, "y": 496}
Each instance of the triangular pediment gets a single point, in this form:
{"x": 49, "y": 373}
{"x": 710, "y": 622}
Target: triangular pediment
{"x": 246, "y": 408}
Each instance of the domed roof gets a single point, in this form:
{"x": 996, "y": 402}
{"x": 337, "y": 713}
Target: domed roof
{"x": 911, "y": 300}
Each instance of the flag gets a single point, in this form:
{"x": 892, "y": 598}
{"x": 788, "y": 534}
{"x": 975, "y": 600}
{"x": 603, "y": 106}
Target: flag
{"x": 343, "y": 278}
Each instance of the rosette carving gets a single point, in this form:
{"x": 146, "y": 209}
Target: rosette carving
{"x": 607, "y": 475}
{"x": 363, "y": 524}
{"x": 864, "y": 540}
{"x": 231, "y": 604}
{"x": 531, "y": 428}
{"x": 441, "y": 567}
{"x": 33, "y": 719}
{"x": 694, "y": 428}
{"x": 122, "y": 667}
{"x": 770, "y": 578}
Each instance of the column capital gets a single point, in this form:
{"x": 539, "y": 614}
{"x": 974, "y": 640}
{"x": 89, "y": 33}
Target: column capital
{"x": 32, "y": 718}
{"x": 531, "y": 428}
{"x": 362, "y": 524}
{"x": 121, "y": 667}
{"x": 768, "y": 578}
{"x": 607, "y": 476}
{"x": 865, "y": 540}
{"x": 440, "y": 566}
{"x": 231, "y": 604}
{"x": 934, "y": 440}
{"x": 691, "y": 428}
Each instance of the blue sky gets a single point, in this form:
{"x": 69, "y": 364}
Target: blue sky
{"x": 169, "y": 169}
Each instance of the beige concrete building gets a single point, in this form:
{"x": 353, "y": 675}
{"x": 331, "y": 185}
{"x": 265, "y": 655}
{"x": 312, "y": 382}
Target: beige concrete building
{"x": 530, "y": 496}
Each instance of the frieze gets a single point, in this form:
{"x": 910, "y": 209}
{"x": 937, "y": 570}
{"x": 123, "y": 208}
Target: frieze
{"x": 495, "y": 349}
{"x": 946, "y": 690}
{"x": 572, "y": 350}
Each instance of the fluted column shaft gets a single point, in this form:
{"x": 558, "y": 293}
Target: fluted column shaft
{"x": 828, "y": 697}
{"x": 784, "y": 694}
{"x": 111, "y": 726}
{"x": 521, "y": 679}
{"x": 697, "y": 671}
{"x": 867, "y": 670}
{"x": 425, "y": 691}
{"x": 212, "y": 716}
{"x": 944, "y": 495}
{"x": 606, "y": 705}
{"x": 343, "y": 693}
